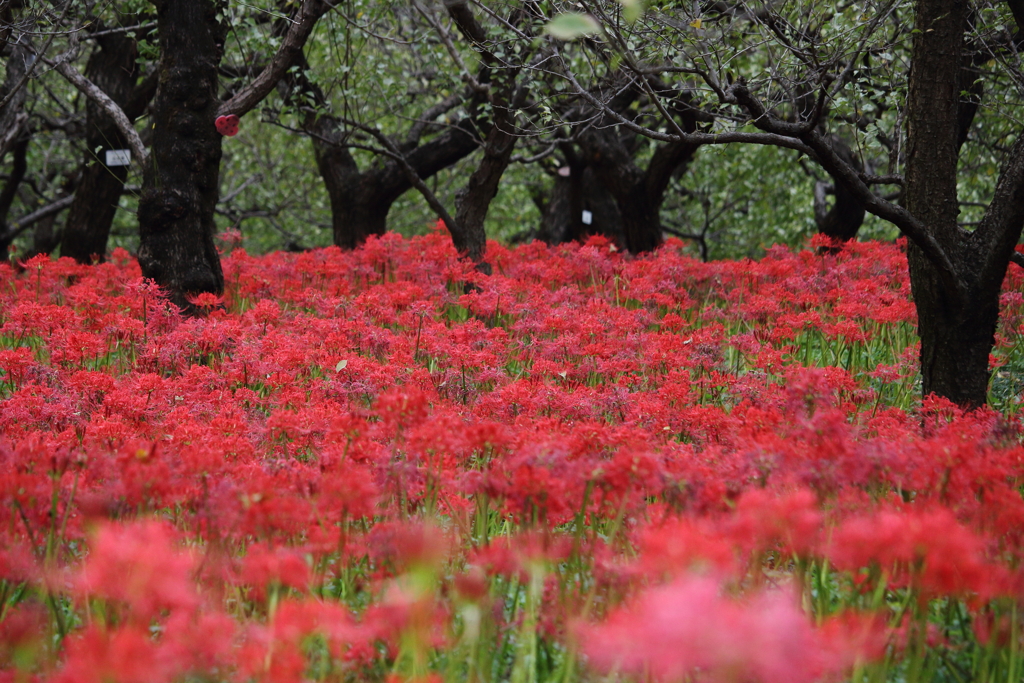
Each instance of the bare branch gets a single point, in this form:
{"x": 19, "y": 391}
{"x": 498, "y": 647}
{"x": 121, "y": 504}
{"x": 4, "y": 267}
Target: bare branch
{"x": 291, "y": 49}
{"x": 28, "y": 72}
{"x": 18, "y": 226}
{"x": 93, "y": 92}
{"x": 766, "y": 138}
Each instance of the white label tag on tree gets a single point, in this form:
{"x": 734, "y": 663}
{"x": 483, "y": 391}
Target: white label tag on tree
{"x": 119, "y": 157}
{"x": 588, "y": 218}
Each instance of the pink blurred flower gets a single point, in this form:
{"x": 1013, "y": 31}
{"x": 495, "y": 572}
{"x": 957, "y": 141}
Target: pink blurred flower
{"x": 688, "y": 628}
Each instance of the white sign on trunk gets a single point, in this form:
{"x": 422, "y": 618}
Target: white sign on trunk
{"x": 119, "y": 157}
{"x": 588, "y": 218}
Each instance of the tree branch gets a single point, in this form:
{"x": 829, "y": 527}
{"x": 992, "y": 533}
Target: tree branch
{"x": 1000, "y": 227}
{"x": 18, "y": 226}
{"x": 390, "y": 150}
{"x": 290, "y": 50}
{"x": 845, "y": 173}
{"x": 93, "y": 92}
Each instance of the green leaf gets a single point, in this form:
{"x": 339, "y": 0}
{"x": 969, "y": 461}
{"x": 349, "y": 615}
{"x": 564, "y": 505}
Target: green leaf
{"x": 632, "y": 10}
{"x": 340, "y": 366}
{"x": 572, "y": 25}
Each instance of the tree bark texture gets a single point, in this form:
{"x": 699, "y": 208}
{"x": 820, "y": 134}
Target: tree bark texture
{"x": 956, "y": 324}
{"x": 180, "y": 185}
{"x": 474, "y": 199}
{"x": 637, "y": 192}
{"x": 113, "y": 69}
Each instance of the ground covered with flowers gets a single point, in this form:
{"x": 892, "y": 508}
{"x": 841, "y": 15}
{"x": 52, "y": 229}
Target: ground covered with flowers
{"x": 384, "y": 466}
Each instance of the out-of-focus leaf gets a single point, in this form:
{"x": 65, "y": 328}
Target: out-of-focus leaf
{"x": 632, "y": 9}
{"x": 572, "y": 25}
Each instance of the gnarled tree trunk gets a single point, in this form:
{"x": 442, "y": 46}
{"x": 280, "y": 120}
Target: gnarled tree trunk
{"x": 573, "y": 193}
{"x": 180, "y": 186}
{"x": 360, "y": 200}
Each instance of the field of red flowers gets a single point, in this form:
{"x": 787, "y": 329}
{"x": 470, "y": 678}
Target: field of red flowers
{"x": 588, "y": 467}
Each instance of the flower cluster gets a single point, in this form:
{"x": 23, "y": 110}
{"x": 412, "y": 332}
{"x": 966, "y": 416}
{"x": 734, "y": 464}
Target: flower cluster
{"x": 385, "y": 465}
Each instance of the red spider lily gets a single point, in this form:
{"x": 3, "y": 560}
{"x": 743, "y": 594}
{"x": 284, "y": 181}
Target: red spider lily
{"x": 928, "y": 549}
{"x": 140, "y": 566}
{"x": 688, "y": 628}
{"x": 351, "y": 457}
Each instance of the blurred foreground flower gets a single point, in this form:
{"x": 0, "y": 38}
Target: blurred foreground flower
{"x": 688, "y": 629}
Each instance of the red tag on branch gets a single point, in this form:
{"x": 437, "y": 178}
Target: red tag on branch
{"x": 227, "y": 125}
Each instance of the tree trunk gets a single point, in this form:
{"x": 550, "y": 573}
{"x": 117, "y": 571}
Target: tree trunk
{"x": 356, "y": 212}
{"x": 638, "y": 193}
{"x": 10, "y": 192}
{"x": 113, "y": 68}
{"x": 956, "y": 336}
{"x": 361, "y": 200}
{"x": 957, "y": 328}
{"x": 474, "y": 199}
{"x": 843, "y": 219}
{"x": 180, "y": 186}
{"x": 562, "y": 219}
{"x": 614, "y": 168}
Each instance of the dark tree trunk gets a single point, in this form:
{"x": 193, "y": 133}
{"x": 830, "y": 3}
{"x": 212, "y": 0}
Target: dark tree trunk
{"x": 579, "y": 191}
{"x": 843, "y": 219}
{"x": 180, "y": 186}
{"x": 613, "y": 166}
{"x": 45, "y": 239}
{"x": 956, "y": 318}
{"x": 475, "y": 198}
{"x": 113, "y": 68}
{"x": 356, "y": 211}
{"x": 638, "y": 192}
{"x": 10, "y": 191}
{"x": 361, "y": 200}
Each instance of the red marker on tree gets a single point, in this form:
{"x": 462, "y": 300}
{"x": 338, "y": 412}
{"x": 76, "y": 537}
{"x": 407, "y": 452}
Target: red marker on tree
{"x": 227, "y": 125}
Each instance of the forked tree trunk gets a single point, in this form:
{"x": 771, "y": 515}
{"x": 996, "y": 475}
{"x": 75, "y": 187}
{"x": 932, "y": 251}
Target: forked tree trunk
{"x": 638, "y": 192}
{"x": 180, "y": 186}
{"x": 356, "y": 213}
